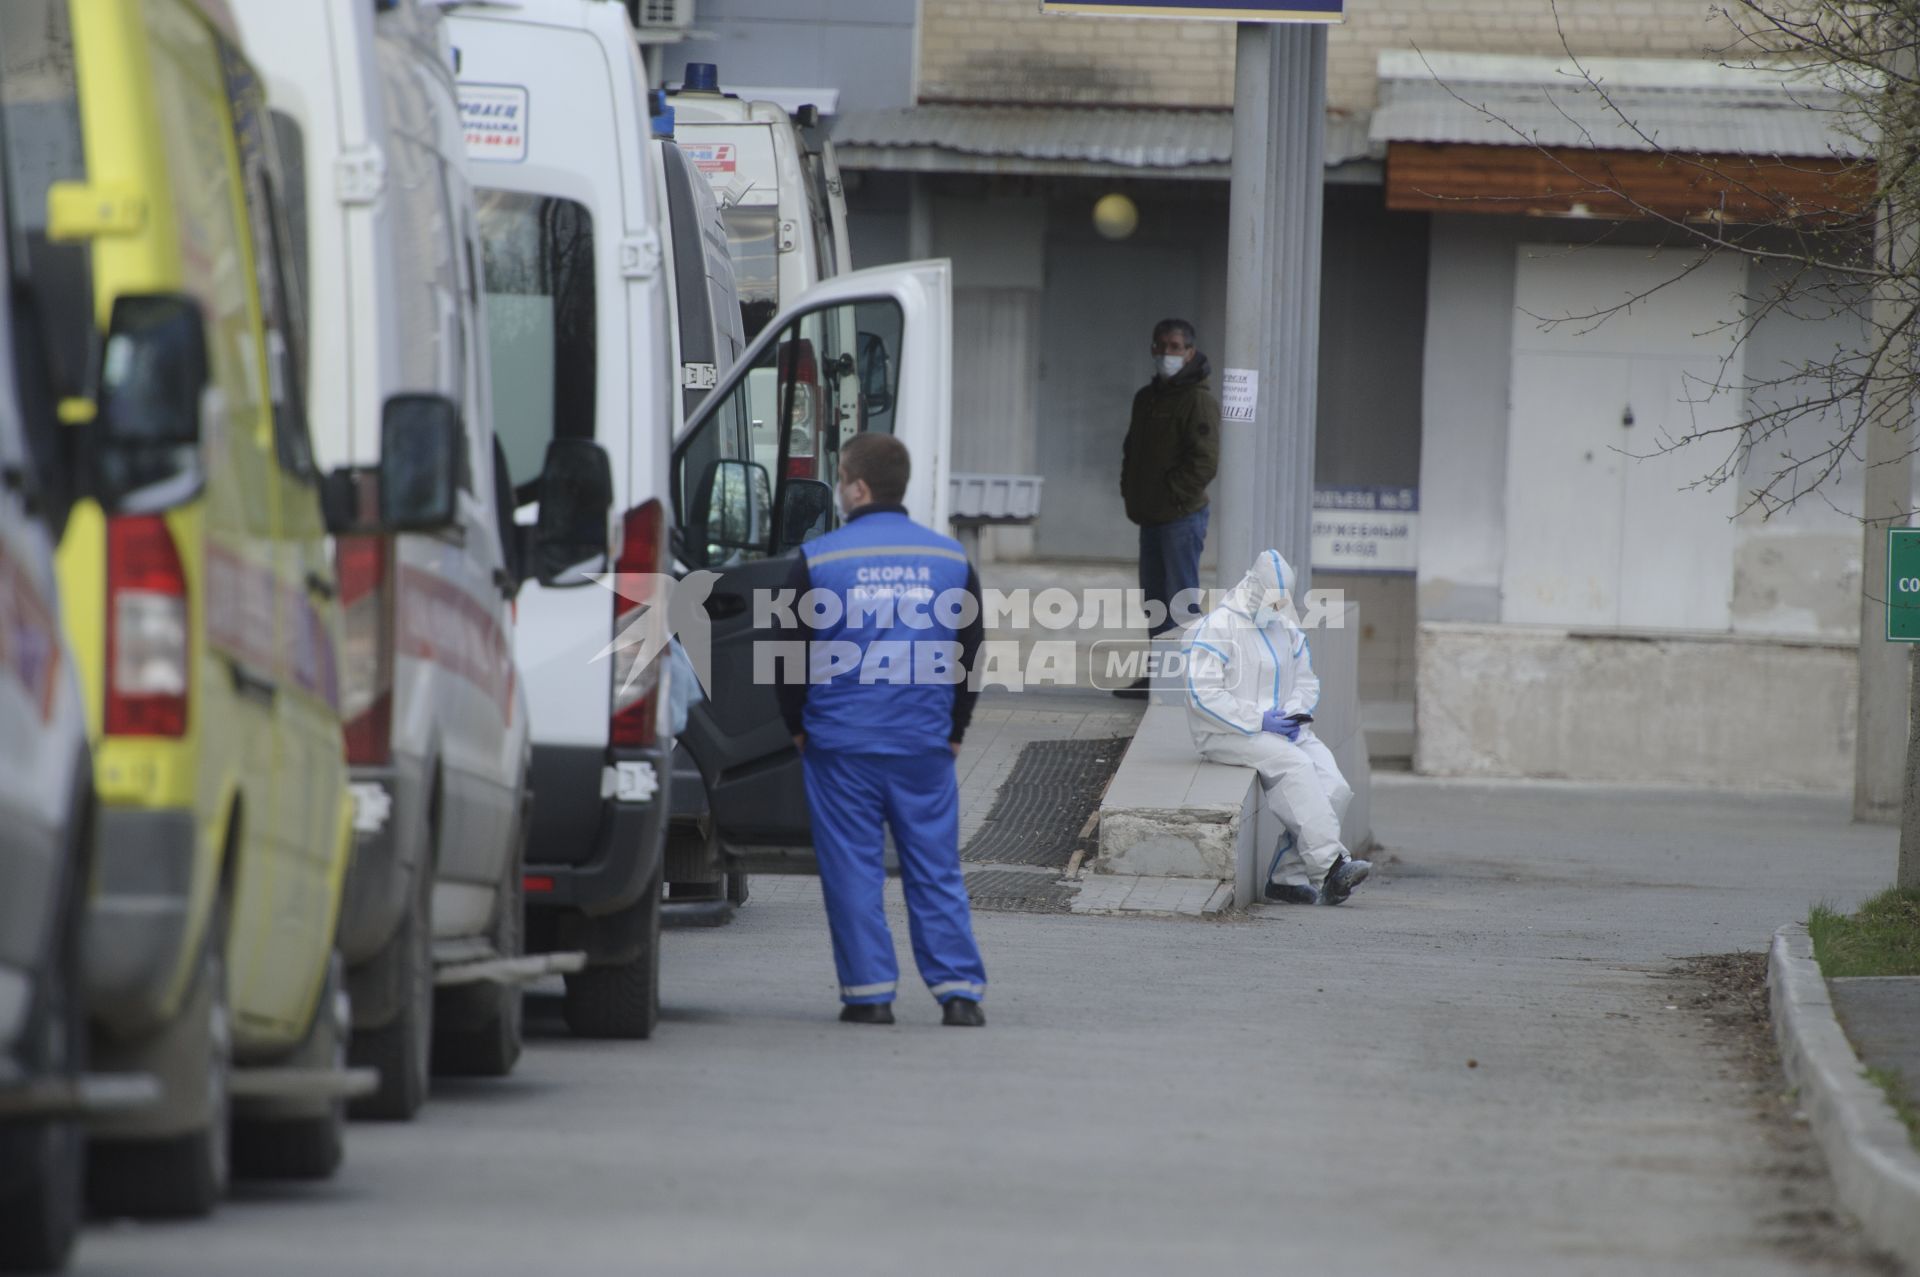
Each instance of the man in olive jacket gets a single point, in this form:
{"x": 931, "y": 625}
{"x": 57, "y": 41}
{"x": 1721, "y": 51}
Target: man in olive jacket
{"x": 1171, "y": 453}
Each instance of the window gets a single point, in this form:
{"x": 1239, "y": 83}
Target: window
{"x": 292, "y": 144}
{"x": 281, "y": 309}
{"x": 753, "y": 236}
{"x": 538, "y": 263}
{"x": 832, "y": 373}
{"x": 40, "y": 140}
{"x": 189, "y": 95}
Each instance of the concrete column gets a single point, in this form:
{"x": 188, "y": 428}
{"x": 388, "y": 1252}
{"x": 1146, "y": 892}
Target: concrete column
{"x": 1265, "y": 493}
{"x": 1880, "y": 748}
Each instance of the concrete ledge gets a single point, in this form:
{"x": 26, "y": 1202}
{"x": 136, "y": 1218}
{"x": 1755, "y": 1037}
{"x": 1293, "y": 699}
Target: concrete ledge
{"x": 1634, "y": 708}
{"x": 1170, "y": 814}
{"x": 1876, "y": 1170}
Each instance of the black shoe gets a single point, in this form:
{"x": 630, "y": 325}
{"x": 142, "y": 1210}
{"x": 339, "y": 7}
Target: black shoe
{"x": 1292, "y": 893}
{"x": 1136, "y": 690}
{"x": 867, "y": 1013}
{"x": 964, "y": 1012}
{"x": 1342, "y": 879}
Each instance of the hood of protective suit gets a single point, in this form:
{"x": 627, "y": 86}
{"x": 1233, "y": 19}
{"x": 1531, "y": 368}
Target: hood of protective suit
{"x": 1265, "y": 593}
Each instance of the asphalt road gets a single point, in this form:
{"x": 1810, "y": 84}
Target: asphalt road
{"x": 1290, "y": 1093}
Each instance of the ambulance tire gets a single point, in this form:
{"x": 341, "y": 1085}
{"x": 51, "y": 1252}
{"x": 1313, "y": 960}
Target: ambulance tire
{"x": 40, "y": 1217}
{"x": 480, "y": 1025}
{"x": 270, "y": 1146}
{"x": 402, "y": 1049}
{"x": 621, "y": 1000}
{"x": 183, "y": 1176}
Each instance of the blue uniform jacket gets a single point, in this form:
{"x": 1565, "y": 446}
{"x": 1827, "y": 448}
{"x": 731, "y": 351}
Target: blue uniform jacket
{"x": 888, "y": 665}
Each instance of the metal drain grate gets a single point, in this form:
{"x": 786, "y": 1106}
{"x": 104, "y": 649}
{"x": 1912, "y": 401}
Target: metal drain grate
{"x": 1055, "y": 785}
{"x": 1018, "y": 890}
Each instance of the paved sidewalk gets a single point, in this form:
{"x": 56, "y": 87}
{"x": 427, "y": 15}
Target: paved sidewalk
{"x": 1482, "y": 1066}
{"x": 1004, "y": 721}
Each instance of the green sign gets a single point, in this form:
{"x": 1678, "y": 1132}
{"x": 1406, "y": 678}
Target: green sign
{"x": 1903, "y": 585}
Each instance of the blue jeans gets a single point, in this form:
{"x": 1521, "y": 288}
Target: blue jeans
{"x": 1170, "y": 561}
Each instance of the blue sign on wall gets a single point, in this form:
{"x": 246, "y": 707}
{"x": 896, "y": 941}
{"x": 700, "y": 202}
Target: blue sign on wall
{"x": 1219, "y": 10}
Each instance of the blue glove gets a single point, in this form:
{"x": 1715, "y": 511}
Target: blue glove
{"x": 1280, "y": 725}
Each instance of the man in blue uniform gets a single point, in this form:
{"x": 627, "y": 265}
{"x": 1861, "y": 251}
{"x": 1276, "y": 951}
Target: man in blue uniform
{"x": 893, "y": 628}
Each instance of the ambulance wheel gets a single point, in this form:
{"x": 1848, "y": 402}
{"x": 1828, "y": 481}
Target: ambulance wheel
{"x": 479, "y": 1033}
{"x": 402, "y": 1048}
{"x": 621, "y": 1000}
{"x": 270, "y": 1145}
{"x": 182, "y": 1176}
{"x": 41, "y": 1215}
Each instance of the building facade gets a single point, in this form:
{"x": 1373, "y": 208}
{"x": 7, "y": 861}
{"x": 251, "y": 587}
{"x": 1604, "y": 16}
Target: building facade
{"x": 1543, "y": 545}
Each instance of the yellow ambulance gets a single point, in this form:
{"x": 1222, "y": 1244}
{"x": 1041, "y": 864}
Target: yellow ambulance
{"x": 203, "y": 617}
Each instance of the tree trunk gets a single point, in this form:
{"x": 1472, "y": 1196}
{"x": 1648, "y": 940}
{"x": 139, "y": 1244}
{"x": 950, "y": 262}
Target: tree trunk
{"x": 1908, "y": 875}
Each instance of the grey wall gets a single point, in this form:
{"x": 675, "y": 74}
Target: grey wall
{"x": 864, "y": 48}
{"x": 878, "y": 217}
{"x": 1463, "y": 455}
{"x": 1796, "y": 572}
{"x": 1373, "y": 321}
{"x": 1100, "y": 303}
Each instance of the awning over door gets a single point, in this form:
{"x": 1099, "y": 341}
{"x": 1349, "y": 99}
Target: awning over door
{"x": 1062, "y": 141}
{"x": 1616, "y": 138}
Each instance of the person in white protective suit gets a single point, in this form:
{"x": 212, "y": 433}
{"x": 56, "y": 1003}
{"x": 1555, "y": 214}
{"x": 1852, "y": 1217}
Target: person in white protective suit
{"x": 1251, "y": 693}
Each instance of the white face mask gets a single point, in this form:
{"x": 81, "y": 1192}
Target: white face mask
{"x": 1170, "y": 365}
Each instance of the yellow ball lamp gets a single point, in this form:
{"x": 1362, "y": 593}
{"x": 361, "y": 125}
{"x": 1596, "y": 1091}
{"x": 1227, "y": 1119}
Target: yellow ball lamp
{"x": 1115, "y": 216}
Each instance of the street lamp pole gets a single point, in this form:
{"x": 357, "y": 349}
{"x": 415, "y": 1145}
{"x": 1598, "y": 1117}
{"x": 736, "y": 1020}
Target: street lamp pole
{"x": 1269, "y": 385}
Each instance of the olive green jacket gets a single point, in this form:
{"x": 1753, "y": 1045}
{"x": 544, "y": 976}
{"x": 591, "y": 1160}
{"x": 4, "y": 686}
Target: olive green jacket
{"x": 1173, "y": 446}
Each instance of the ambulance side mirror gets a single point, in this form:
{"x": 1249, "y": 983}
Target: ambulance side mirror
{"x": 732, "y": 508}
{"x": 144, "y": 442}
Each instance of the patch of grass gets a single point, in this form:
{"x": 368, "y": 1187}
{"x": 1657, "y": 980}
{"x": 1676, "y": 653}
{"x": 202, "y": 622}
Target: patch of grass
{"x": 1894, "y": 1084}
{"x": 1882, "y": 939}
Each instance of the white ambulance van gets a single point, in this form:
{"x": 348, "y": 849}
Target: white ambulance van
{"x": 580, "y": 317}
{"x": 708, "y": 334}
{"x": 386, "y": 234}
{"x": 581, "y": 308}
{"x": 779, "y": 191}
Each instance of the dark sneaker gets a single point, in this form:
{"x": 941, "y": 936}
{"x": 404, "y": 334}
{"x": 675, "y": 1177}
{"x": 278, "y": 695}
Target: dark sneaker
{"x": 1342, "y": 879}
{"x": 1292, "y": 893}
{"x": 867, "y": 1013}
{"x": 1136, "y": 690}
{"x": 964, "y": 1012}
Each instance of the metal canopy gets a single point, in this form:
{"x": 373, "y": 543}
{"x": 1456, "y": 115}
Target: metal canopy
{"x": 1063, "y": 141}
{"x": 1692, "y": 107}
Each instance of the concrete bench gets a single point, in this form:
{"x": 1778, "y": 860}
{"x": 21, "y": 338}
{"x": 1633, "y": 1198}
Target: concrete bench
{"x": 1171, "y": 814}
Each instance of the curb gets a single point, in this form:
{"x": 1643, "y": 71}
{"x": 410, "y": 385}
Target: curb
{"x": 1876, "y": 1170}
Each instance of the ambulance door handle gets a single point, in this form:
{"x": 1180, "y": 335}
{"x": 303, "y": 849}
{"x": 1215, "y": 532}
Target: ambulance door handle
{"x": 253, "y": 686}
{"x": 723, "y": 607}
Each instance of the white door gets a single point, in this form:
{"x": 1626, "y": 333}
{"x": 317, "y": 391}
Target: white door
{"x": 1607, "y": 520}
{"x": 893, "y": 327}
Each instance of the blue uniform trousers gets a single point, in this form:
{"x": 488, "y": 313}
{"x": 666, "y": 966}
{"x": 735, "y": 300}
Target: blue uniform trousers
{"x": 917, "y": 797}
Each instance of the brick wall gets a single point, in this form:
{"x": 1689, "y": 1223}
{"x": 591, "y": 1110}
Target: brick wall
{"x": 1007, "y": 51}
